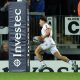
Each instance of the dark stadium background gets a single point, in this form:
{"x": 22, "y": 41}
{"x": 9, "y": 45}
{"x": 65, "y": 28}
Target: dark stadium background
{"x": 58, "y": 8}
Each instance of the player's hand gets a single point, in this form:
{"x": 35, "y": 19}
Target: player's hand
{"x": 37, "y": 39}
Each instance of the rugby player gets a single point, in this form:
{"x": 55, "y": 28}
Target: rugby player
{"x": 49, "y": 44}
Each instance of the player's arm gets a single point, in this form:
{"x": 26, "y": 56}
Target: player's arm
{"x": 47, "y": 33}
{"x": 42, "y": 37}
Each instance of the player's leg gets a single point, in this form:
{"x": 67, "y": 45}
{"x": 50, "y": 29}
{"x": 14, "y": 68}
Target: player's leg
{"x": 64, "y": 58}
{"x": 57, "y": 54}
{"x": 38, "y": 54}
{"x": 61, "y": 57}
{"x": 39, "y": 49}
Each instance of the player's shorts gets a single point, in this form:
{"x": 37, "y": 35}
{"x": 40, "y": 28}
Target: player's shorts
{"x": 49, "y": 47}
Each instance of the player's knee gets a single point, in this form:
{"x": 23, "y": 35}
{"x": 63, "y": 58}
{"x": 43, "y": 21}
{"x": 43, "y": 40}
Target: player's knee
{"x": 60, "y": 57}
{"x": 37, "y": 51}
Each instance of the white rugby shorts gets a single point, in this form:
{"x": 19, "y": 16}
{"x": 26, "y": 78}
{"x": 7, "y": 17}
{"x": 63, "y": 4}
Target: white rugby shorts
{"x": 49, "y": 47}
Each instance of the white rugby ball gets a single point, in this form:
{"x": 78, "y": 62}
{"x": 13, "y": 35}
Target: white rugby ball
{"x": 35, "y": 39}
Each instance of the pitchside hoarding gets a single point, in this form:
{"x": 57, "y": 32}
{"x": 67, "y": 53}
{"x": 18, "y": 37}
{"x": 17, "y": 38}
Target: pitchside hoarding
{"x": 18, "y": 48}
{"x": 52, "y": 66}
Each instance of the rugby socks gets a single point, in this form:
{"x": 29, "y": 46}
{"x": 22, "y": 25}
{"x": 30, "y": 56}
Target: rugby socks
{"x": 42, "y": 62}
{"x": 70, "y": 62}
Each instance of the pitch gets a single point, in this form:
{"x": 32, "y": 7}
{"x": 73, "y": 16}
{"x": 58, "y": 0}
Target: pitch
{"x": 40, "y": 76}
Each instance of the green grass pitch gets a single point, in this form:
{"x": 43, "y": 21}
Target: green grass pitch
{"x": 40, "y": 76}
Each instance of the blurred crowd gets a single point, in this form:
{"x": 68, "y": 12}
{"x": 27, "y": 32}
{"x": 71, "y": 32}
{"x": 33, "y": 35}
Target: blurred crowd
{"x": 49, "y": 7}
{"x": 4, "y": 50}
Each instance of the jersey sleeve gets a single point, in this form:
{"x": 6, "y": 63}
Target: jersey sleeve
{"x": 46, "y": 26}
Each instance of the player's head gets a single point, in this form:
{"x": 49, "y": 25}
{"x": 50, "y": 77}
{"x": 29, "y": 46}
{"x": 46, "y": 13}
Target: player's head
{"x": 42, "y": 21}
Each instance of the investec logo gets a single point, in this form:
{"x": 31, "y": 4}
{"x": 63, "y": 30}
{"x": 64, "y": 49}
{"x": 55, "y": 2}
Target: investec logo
{"x": 18, "y": 47}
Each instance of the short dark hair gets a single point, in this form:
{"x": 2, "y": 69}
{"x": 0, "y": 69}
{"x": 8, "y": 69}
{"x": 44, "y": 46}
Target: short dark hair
{"x": 43, "y": 18}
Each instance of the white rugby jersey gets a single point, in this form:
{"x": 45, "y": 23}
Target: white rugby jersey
{"x": 43, "y": 31}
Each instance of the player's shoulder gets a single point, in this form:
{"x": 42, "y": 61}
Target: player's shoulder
{"x": 46, "y": 25}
